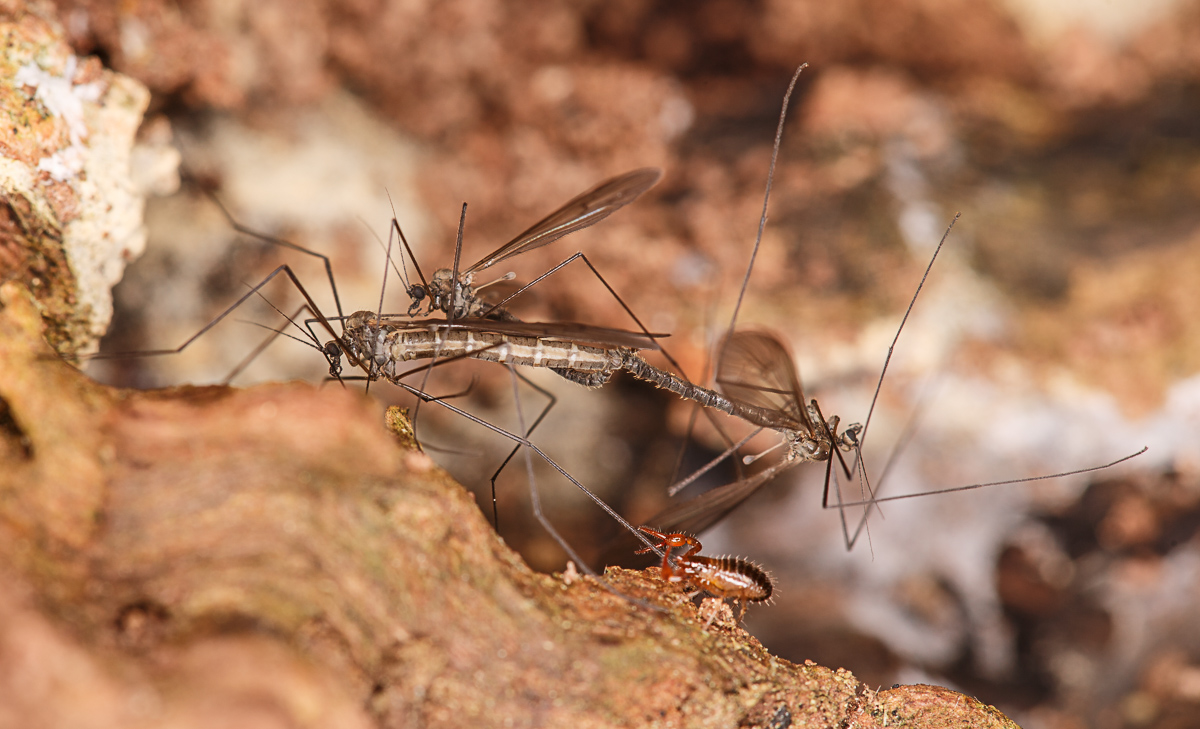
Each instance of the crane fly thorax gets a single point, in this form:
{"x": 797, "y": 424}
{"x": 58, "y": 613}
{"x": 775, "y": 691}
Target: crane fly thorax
{"x": 443, "y": 288}
{"x": 803, "y": 446}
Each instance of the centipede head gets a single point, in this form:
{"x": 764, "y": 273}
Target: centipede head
{"x": 670, "y": 541}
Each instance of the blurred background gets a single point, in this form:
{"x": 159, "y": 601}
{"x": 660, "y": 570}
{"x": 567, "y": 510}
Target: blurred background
{"x": 1057, "y": 331}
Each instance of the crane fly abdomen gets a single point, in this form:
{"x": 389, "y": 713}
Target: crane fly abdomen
{"x": 407, "y": 344}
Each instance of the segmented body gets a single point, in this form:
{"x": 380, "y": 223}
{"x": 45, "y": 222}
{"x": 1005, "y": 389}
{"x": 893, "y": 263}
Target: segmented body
{"x": 731, "y": 578}
{"x": 384, "y": 346}
{"x": 585, "y": 355}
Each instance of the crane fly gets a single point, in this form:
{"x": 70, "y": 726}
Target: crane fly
{"x": 436, "y": 333}
{"x": 454, "y": 292}
{"x": 756, "y": 373}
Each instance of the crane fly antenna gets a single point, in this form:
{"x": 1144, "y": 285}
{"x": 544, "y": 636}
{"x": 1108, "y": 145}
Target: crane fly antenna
{"x": 282, "y": 332}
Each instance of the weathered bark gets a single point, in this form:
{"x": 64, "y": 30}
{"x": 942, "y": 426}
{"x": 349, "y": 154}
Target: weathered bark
{"x": 197, "y": 554}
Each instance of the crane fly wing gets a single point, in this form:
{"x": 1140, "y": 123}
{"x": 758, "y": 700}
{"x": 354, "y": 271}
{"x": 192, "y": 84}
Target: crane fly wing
{"x": 588, "y": 334}
{"x": 697, "y": 514}
{"x": 587, "y": 209}
{"x": 585, "y": 334}
{"x": 754, "y": 368}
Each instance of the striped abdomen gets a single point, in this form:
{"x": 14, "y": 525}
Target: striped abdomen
{"x": 406, "y": 344}
{"x": 730, "y": 577}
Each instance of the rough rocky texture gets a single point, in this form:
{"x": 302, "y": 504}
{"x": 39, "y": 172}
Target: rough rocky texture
{"x": 209, "y": 555}
{"x": 1061, "y": 326}
{"x": 72, "y": 209}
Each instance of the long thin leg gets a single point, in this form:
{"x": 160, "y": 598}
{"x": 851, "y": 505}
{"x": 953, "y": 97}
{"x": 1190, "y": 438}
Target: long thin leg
{"x": 1006, "y": 482}
{"x": 535, "y": 499}
{"x": 242, "y": 229}
{"x": 536, "y": 502}
{"x": 537, "y": 421}
{"x": 864, "y": 482}
{"x": 762, "y": 221}
{"x": 254, "y": 290}
{"x": 237, "y": 226}
{"x": 681, "y": 485}
{"x": 863, "y": 522}
{"x": 906, "y": 436}
{"x": 520, "y": 440}
{"x": 275, "y": 334}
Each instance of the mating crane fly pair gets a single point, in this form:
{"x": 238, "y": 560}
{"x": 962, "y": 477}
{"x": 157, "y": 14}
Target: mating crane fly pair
{"x": 755, "y": 372}
{"x": 454, "y": 293}
{"x": 376, "y": 343}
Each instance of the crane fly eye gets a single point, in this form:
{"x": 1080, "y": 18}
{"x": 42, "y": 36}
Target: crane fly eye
{"x": 417, "y": 292}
